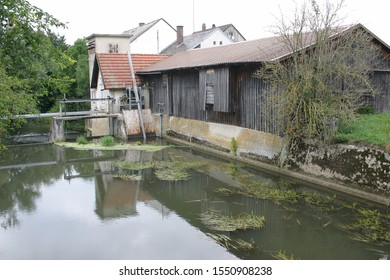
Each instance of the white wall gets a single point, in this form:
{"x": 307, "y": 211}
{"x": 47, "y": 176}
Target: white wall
{"x": 154, "y": 40}
{"x": 215, "y": 39}
{"x": 102, "y": 44}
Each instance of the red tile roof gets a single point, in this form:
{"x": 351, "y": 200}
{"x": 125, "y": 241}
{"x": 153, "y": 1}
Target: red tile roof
{"x": 115, "y": 68}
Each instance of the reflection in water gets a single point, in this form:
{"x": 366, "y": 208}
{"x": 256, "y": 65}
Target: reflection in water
{"x": 58, "y": 203}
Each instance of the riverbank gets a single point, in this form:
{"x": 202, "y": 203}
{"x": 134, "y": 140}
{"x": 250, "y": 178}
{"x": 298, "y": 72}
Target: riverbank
{"x": 297, "y": 175}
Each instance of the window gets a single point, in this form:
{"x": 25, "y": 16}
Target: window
{"x": 210, "y": 87}
{"x": 220, "y": 42}
{"x": 113, "y": 48}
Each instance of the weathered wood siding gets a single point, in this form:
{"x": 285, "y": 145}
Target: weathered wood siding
{"x": 240, "y": 99}
{"x": 381, "y": 82}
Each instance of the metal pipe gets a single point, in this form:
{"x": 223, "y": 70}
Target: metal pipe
{"x": 137, "y": 99}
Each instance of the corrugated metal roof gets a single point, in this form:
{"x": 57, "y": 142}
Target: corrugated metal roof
{"x": 256, "y": 51}
{"x": 115, "y": 68}
{"x": 249, "y": 51}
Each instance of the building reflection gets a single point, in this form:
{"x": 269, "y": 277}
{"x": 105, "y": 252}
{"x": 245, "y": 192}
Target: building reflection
{"x": 116, "y": 197}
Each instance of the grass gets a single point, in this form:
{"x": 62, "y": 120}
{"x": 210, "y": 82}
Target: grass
{"x": 369, "y": 129}
{"x": 164, "y": 170}
{"x": 174, "y": 170}
{"x": 118, "y": 146}
{"x": 231, "y": 244}
{"x": 107, "y": 141}
{"x": 218, "y": 222}
{"x": 81, "y": 140}
{"x": 282, "y": 255}
{"x": 370, "y": 226}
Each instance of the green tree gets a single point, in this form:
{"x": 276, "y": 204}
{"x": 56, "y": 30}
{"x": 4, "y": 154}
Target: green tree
{"x": 32, "y": 61}
{"x": 13, "y": 100}
{"x": 320, "y": 85}
{"x": 79, "y": 53}
{"x": 32, "y": 52}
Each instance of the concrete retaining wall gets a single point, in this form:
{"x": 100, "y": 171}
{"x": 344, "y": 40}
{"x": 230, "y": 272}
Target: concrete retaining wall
{"x": 250, "y": 143}
{"x": 364, "y": 166}
{"x": 360, "y": 171}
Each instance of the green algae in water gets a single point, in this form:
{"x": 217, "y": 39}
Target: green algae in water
{"x": 370, "y": 226}
{"x": 129, "y": 177}
{"x": 116, "y": 147}
{"x": 174, "y": 170}
{"x": 218, "y": 222}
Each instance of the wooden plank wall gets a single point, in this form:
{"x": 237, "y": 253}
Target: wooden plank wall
{"x": 241, "y": 102}
{"x": 381, "y": 82}
{"x": 245, "y": 101}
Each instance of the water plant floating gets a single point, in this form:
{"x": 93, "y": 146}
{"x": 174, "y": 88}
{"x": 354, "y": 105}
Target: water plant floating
{"x": 115, "y": 147}
{"x": 218, "y": 222}
{"x": 232, "y": 244}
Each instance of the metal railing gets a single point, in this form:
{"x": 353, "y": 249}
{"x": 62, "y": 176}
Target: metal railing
{"x": 109, "y": 108}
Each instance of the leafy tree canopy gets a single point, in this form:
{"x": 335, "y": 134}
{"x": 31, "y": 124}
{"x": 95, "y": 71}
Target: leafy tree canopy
{"x": 31, "y": 52}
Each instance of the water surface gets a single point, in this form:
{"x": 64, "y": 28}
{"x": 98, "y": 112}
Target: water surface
{"x": 58, "y": 203}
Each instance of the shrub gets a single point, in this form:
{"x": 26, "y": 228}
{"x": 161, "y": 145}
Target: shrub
{"x": 81, "y": 140}
{"x": 107, "y": 141}
{"x": 366, "y": 110}
{"x": 234, "y": 146}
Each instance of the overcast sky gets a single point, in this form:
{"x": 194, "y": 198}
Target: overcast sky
{"x": 251, "y": 17}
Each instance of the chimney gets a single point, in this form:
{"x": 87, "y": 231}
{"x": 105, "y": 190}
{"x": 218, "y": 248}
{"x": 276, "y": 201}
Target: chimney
{"x": 204, "y": 27}
{"x": 214, "y": 26}
{"x": 141, "y": 24}
{"x": 179, "y": 30}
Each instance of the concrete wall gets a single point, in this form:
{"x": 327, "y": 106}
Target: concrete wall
{"x": 219, "y": 136}
{"x": 364, "y": 166}
{"x": 361, "y": 171}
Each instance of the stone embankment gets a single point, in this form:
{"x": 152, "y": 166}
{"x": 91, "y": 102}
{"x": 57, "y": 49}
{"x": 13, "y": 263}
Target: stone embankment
{"x": 357, "y": 170}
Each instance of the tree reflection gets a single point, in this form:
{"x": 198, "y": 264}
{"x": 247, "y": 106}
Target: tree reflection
{"x": 20, "y": 186}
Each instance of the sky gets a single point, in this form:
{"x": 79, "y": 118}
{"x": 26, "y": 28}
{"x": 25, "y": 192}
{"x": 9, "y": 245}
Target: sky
{"x": 253, "y": 18}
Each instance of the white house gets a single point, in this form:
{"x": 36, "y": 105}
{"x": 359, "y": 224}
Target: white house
{"x": 152, "y": 37}
{"x": 215, "y": 36}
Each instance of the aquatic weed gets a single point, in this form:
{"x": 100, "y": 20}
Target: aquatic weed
{"x": 282, "y": 255}
{"x": 370, "y": 225}
{"x": 218, "y": 222}
{"x": 127, "y": 177}
{"x": 231, "y": 244}
{"x": 174, "y": 170}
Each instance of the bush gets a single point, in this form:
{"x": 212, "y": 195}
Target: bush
{"x": 107, "y": 141}
{"x": 81, "y": 140}
{"x": 234, "y": 146}
{"x": 366, "y": 110}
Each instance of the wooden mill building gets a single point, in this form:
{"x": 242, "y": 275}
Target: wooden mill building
{"x": 217, "y": 85}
